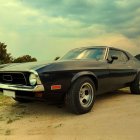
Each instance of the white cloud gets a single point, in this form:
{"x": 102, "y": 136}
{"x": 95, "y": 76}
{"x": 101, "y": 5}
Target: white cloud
{"x": 33, "y": 31}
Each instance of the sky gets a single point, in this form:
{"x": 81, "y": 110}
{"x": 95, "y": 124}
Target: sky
{"x": 48, "y": 28}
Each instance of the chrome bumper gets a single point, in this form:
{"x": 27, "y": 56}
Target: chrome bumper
{"x": 37, "y": 88}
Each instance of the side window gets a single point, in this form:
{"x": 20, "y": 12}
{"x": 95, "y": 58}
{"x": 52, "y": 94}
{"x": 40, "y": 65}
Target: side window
{"x": 122, "y": 57}
{"x": 96, "y": 54}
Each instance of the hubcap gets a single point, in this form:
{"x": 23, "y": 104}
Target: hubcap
{"x": 86, "y": 95}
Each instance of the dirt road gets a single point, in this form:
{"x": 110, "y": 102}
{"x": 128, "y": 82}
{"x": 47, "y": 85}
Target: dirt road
{"x": 115, "y": 116}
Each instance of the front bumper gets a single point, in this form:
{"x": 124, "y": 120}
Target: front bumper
{"x": 37, "y": 88}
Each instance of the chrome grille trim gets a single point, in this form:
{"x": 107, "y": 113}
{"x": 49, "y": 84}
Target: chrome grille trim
{"x": 3, "y": 80}
{"x": 7, "y": 77}
{"x": 37, "y": 88}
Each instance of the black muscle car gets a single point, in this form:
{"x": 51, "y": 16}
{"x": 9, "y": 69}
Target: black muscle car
{"x": 75, "y": 79}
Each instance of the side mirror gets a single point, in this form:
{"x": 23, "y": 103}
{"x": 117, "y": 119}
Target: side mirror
{"x": 114, "y": 57}
{"x": 56, "y": 58}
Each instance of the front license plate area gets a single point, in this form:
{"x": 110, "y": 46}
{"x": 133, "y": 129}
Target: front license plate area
{"x": 9, "y": 93}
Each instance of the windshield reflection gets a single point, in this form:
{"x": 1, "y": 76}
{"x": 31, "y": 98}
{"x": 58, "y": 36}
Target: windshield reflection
{"x": 90, "y": 53}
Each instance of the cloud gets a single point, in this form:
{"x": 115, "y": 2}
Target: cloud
{"x": 116, "y": 15}
{"x": 52, "y": 27}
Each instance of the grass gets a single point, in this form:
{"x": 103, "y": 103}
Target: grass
{"x": 4, "y": 100}
{"x": 8, "y": 132}
{"x": 18, "y": 109}
{"x": 1, "y": 118}
{"x": 59, "y": 125}
{"x": 9, "y": 120}
{"x": 2, "y": 97}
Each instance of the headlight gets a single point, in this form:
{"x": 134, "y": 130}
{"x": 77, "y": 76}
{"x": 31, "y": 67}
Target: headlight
{"x": 32, "y": 79}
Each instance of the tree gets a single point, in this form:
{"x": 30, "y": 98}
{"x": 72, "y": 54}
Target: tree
{"x": 4, "y": 56}
{"x": 138, "y": 56}
{"x": 56, "y": 58}
{"x": 7, "y": 58}
{"x": 25, "y": 58}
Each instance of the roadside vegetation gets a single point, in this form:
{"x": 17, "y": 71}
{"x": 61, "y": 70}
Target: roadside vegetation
{"x": 6, "y": 57}
{"x": 138, "y": 56}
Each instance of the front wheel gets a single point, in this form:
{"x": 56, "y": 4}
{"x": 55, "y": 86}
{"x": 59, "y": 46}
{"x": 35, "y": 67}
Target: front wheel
{"x": 135, "y": 86}
{"x": 81, "y": 97}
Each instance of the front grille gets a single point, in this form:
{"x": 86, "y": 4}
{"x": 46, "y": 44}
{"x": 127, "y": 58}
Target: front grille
{"x": 13, "y": 78}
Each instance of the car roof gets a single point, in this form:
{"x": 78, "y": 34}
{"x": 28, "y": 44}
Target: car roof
{"x": 91, "y": 47}
{"x": 106, "y": 47}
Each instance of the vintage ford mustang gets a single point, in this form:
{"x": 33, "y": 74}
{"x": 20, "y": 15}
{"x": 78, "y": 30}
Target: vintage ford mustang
{"x": 75, "y": 79}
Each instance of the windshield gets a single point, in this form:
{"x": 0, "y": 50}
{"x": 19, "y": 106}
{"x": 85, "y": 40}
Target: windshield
{"x": 92, "y": 53}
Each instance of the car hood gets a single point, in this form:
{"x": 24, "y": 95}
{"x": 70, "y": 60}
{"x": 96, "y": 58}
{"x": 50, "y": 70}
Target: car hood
{"x": 72, "y": 65}
{"x": 54, "y": 66}
{"x": 4, "y": 65}
{"x": 23, "y": 66}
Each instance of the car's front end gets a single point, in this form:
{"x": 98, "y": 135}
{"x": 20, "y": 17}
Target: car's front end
{"x": 35, "y": 81}
{"x": 21, "y": 84}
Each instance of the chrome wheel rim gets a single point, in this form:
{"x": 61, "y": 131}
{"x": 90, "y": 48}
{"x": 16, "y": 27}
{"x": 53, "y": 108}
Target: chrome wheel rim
{"x": 86, "y": 95}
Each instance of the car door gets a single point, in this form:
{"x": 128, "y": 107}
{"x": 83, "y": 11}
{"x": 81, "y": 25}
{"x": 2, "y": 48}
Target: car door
{"x": 121, "y": 71}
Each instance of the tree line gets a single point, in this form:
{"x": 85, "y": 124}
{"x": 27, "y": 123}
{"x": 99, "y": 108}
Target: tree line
{"x": 6, "y": 57}
{"x": 138, "y": 56}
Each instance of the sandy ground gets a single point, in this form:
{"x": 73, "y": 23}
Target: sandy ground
{"x": 115, "y": 116}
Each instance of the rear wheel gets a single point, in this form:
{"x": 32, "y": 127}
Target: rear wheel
{"x": 135, "y": 86}
{"x": 81, "y": 97}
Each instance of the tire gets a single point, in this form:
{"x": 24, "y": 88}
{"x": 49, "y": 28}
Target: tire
{"x": 21, "y": 100}
{"x": 80, "y": 99}
{"x": 135, "y": 86}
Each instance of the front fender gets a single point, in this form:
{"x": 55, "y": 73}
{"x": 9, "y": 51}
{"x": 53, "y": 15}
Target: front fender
{"x": 86, "y": 73}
